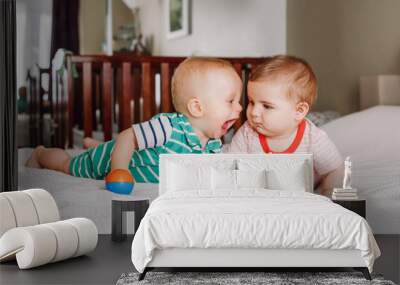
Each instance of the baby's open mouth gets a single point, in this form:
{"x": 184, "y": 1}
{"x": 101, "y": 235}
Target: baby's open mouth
{"x": 228, "y": 124}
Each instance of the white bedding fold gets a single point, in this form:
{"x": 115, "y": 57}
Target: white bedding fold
{"x": 250, "y": 218}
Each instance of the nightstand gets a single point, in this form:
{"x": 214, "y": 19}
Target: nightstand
{"x": 129, "y": 203}
{"x": 357, "y": 206}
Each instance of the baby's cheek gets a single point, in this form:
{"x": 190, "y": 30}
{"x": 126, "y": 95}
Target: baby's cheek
{"x": 248, "y": 110}
{"x": 267, "y": 119}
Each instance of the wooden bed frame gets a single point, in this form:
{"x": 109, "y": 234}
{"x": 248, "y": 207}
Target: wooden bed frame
{"x": 103, "y": 91}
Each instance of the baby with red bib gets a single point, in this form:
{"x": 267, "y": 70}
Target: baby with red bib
{"x": 281, "y": 92}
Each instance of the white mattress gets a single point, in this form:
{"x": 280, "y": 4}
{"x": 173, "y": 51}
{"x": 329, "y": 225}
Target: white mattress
{"x": 372, "y": 139}
{"x": 76, "y": 197}
{"x": 252, "y": 218}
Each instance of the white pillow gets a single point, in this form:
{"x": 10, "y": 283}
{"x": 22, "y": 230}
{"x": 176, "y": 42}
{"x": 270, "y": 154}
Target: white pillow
{"x": 290, "y": 176}
{"x": 229, "y": 179}
{"x": 251, "y": 178}
{"x": 223, "y": 179}
{"x": 282, "y": 174}
{"x": 188, "y": 177}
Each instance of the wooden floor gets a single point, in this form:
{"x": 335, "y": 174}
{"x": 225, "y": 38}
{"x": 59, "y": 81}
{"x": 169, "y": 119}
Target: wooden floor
{"x": 111, "y": 259}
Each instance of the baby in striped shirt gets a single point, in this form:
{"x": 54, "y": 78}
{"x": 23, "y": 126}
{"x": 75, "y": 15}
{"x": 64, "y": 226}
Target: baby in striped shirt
{"x": 281, "y": 91}
{"x": 205, "y": 94}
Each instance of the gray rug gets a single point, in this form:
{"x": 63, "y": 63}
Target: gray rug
{"x": 228, "y": 278}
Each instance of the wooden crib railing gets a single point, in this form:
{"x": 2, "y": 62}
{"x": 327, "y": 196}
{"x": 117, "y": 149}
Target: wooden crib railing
{"x": 103, "y": 91}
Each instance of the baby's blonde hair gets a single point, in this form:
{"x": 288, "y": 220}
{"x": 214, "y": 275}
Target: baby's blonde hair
{"x": 293, "y": 71}
{"x": 192, "y": 66}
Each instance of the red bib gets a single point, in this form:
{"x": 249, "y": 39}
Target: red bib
{"x": 292, "y": 148}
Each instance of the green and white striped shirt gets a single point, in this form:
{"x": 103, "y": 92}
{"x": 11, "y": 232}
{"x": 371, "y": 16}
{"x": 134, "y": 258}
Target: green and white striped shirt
{"x": 181, "y": 138}
{"x": 164, "y": 133}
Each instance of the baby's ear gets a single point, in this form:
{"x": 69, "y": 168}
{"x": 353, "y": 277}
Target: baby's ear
{"x": 195, "y": 108}
{"x": 302, "y": 109}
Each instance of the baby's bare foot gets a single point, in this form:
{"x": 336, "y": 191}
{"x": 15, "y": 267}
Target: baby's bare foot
{"x": 89, "y": 143}
{"x": 33, "y": 161}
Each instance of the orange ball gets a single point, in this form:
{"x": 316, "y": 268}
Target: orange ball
{"x": 119, "y": 181}
{"x": 119, "y": 175}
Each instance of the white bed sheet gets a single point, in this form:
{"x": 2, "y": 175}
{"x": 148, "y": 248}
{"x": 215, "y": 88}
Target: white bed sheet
{"x": 76, "y": 197}
{"x": 252, "y": 218}
{"x": 372, "y": 139}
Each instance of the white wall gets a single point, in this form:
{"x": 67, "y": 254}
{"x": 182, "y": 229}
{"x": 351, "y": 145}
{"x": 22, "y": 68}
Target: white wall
{"x": 92, "y": 23}
{"x": 33, "y": 35}
{"x": 33, "y": 40}
{"x": 343, "y": 40}
{"x": 22, "y": 52}
{"x": 221, "y": 28}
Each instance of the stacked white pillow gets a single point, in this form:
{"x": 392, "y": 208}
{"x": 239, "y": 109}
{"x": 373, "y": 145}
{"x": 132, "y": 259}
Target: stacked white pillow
{"x": 199, "y": 176}
{"x": 182, "y": 177}
{"x": 229, "y": 175}
{"x": 236, "y": 179}
{"x": 280, "y": 174}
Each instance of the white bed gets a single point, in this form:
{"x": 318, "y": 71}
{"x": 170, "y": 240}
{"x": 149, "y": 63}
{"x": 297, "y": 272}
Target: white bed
{"x": 247, "y": 226}
{"x": 76, "y": 197}
{"x": 372, "y": 139}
